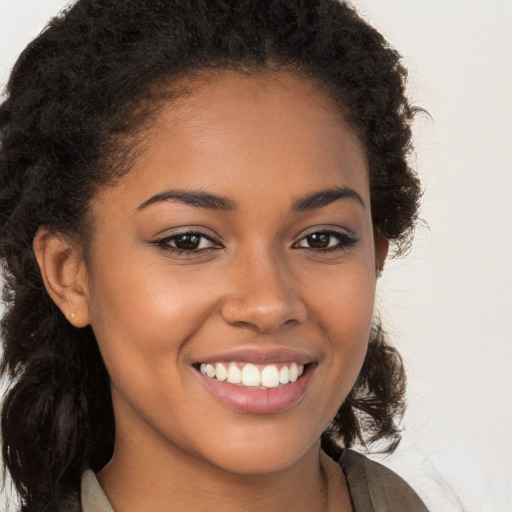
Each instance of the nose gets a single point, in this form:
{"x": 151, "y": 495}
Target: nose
{"x": 263, "y": 296}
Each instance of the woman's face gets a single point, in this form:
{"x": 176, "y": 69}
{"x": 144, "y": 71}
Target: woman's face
{"x": 240, "y": 245}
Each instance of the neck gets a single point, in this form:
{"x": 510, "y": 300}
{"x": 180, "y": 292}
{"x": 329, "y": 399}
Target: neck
{"x": 185, "y": 483}
{"x": 149, "y": 471}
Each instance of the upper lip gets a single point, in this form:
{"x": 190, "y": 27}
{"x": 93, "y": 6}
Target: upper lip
{"x": 260, "y": 355}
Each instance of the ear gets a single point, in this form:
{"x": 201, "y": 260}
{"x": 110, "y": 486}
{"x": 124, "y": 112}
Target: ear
{"x": 381, "y": 252}
{"x": 64, "y": 274}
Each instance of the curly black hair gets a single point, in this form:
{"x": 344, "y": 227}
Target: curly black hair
{"x": 76, "y": 97}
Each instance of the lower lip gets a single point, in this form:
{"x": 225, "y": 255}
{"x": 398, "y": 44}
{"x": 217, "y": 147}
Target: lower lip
{"x": 259, "y": 401}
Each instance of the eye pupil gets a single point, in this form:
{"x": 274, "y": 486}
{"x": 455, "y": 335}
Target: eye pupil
{"x": 319, "y": 240}
{"x": 187, "y": 242}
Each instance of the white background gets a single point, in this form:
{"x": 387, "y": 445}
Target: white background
{"x": 448, "y": 305}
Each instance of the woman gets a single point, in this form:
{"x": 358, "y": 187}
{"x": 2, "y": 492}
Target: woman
{"x": 196, "y": 201}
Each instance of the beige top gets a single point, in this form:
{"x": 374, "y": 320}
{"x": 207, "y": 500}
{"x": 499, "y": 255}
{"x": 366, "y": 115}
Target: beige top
{"x": 372, "y": 487}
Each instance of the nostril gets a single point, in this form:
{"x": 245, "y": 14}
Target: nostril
{"x": 263, "y": 314}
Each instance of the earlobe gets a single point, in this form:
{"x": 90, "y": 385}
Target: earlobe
{"x": 64, "y": 275}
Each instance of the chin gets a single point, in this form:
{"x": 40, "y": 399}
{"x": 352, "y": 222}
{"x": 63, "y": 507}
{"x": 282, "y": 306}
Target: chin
{"x": 271, "y": 454}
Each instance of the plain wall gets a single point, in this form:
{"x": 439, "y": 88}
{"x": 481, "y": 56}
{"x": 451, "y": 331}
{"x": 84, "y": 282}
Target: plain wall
{"x": 450, "y": 301}
{"x": 448, "y": 304}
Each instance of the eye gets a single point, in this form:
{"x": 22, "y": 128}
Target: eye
{"x": 326, "y": 240}
{"x": 187, "y": 242}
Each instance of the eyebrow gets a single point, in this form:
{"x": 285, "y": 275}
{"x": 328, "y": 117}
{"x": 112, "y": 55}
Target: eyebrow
{"x": 325, "y": 197}
{"x": 192, "y": 198}
{"x": 208, "y": 201}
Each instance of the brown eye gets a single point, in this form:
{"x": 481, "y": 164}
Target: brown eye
{"x": 187, "y": 242}
{"x": 326, "y": 241}
{"x": 319, "y": 240}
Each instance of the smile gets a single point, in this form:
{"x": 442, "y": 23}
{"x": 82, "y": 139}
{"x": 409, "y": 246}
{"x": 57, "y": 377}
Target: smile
{"x": 253, "y": 376}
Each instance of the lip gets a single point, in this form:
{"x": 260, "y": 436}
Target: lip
{"x": 259, "y": 401}
{"x": 260, "y": 356}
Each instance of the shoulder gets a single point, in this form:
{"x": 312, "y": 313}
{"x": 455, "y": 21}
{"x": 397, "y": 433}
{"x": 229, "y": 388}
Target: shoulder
{"x": 374, "y": 487}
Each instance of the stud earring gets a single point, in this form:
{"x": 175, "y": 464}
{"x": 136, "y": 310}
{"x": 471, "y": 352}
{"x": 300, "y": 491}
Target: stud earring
{"x": 73, "y": 315}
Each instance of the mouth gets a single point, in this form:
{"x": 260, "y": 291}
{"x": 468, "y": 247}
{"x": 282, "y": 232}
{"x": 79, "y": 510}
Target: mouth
{"x": 256, "y": 388}
{"x": 253, "y": 376}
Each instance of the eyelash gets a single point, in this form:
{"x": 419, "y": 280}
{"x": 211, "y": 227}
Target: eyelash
{"x": 345, "y": 242}
{"x": 164, "y": 243}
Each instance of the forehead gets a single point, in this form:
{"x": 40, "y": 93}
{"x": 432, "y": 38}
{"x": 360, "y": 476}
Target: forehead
{"x": 230, "y": 132}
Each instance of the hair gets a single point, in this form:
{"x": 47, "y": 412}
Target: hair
{"x": 76, "y": 101}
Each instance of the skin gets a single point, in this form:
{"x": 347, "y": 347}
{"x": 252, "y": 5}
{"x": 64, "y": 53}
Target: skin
{"x": 156, "y": 312}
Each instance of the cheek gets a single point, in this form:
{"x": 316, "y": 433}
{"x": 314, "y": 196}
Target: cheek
{"x": 343, "y": 310}
{"x": 143, "y": 319}
{"x": 137, "y": 287}
{"x": 142, "y": 314}
{"x": 344, "y": 303}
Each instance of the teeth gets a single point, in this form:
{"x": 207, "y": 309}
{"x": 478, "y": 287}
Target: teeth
{"x": 234, "y": 374}
{"x": 251, "y": 375}
{"x": 220, "y": 372}
{"x": 210, "y": 370}
{"x": 270, "y": 376}
{"x": 294, "y": 372}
